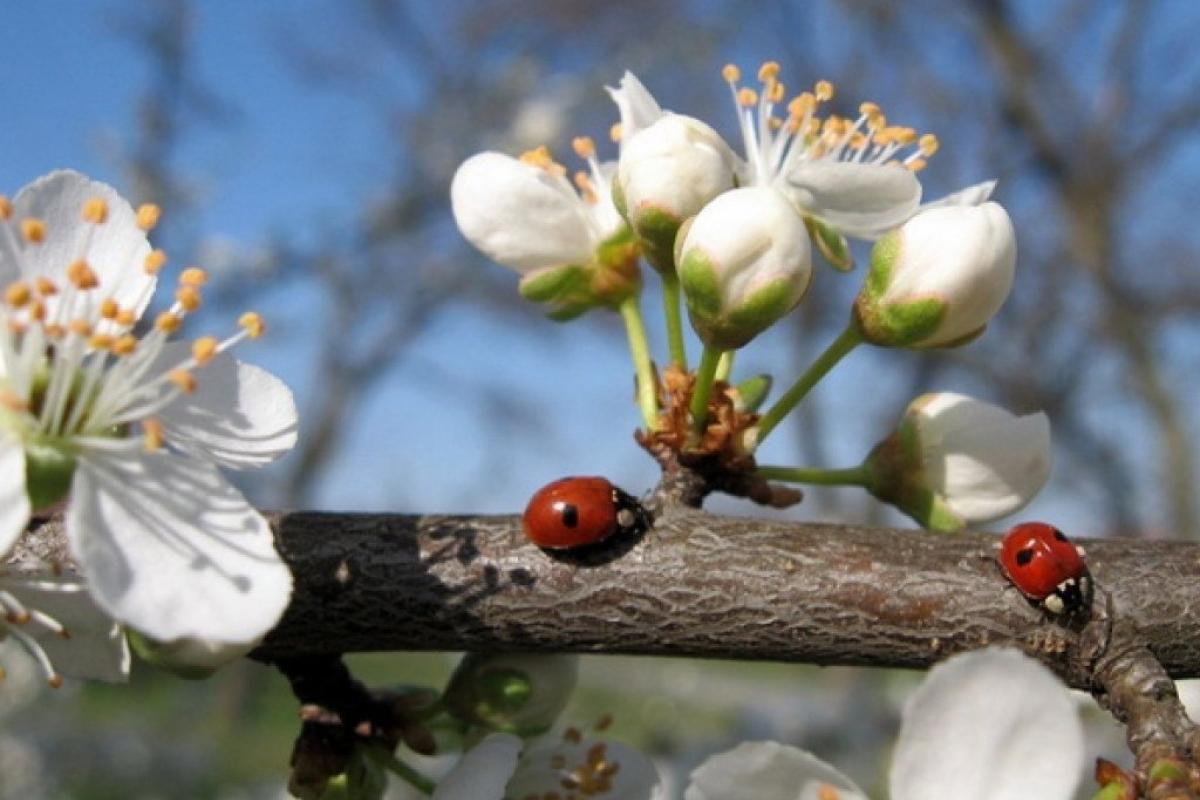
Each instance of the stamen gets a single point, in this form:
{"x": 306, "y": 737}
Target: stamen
{"x": 100, "y": 341}
{"x": 124, "y": 345}
{"x": 80, "y": 327}
{"x": 154, "y": 262}
{"x": 95, "y": 210}
{"x": 45, "y": 286}
{"x": 614, "y": 132}
{"x": 34, "y": 230}
{"x": 916, "y": 165}
{"x": 188, "y": 297}
{"x": 204, "y": 349}
{"x": 147, "y": 216}
{"x": 769, "y": 71}
{"x": 584, "y": 147}
{"x": 185, "y": 380}
{"x": 540, "y": 157}
{"x": 17, "y": 294}
{"x": 109, "y": 308}
{"x": 824, "y": 91}
{"x": 929, "y": 144}
{"x": 167, "y": 322}
{"x": 584, "y": 184}
{"x": 747, "y": 97}
{"x": 731, "y": 73}
{"x": 126, "y": 317}
{"x": 193, "y": 276}
{"x": 82, "y": 276}
{"x": 152, "y": 434}
{"x": 5, "y": 208}
{"x": 252, "y": 323}
{"x": 827, "y": 792}
{"x": 54, "y": 330}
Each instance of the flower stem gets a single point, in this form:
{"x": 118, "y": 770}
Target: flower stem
{"x": 647, "y": 385}
{"x": 847, "y": 476}
{"x": 674, "y": 319}
{"x": 705, "y": 373}
{"x": 725, "y": 365}
{"x": 401, "y": 770}
{"x": 837, "y": 350}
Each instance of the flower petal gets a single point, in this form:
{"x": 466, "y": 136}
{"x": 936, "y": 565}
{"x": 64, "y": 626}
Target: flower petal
{"x": 14, "y": 500}
{"x": 637, "y": 106}
{"x": 973, "y": 195}
{"x": 171, "y": 549}
{"x": 116, "y": 249}
{"x": 483, "y": 771}
{"x": 767, "y": 771}
{"x": 861, "y": 200}
{"x": 520, "y": 215}
{"x": 239, "y": 416}
{"x": 988, "y": 725}
{"x": 96, "y": 648}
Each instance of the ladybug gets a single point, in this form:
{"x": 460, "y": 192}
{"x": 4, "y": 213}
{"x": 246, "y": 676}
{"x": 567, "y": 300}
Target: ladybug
{"x": 1043, "y": 564}
{"x": 579, "y": 511}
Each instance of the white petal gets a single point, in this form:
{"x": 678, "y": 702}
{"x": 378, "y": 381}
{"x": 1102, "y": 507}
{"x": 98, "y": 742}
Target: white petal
{"x": 96, "y": 648}
{"x": 767, "y": 771}
{"x": 637, "y": 106}
{"x": 14, "y": 501}
{"x": 544, "y": 765}
{"x": 483, "y": 771}
{"x": 171, "y": 549}
{"x": 677, "y": 165}
{"x": 861, "y": 200}
{"x": 988, "y": 725}
{"x": 240, "y": 415}
{"x": 520, "y": 215}
{"x": 973, "y": 195}
{"x": 117, "y": 249}
{"x": 985, "y": 462}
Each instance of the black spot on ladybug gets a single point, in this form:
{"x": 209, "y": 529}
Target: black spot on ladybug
{"x": 1024, "y": 556}
{"x": 1062, "y": 537}
{"x": 570, "y": 515}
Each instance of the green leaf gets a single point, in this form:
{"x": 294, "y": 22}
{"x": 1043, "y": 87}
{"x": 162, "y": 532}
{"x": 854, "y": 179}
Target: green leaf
{"x": 552, "y": 283}
{"x": 752, "y": 393}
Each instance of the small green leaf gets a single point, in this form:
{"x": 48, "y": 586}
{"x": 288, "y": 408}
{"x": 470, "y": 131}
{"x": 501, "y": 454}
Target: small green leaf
{"x": 657, "y": 229}
{"x": 751, "y": 393}
{"x": 698, "y": 278}
{"x": 551, "y": 283}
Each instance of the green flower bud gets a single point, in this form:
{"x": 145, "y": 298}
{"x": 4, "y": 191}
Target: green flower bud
{"x": 514, "y": 693}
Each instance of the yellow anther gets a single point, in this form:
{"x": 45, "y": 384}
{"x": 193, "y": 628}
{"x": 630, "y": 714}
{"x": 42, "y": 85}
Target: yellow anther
{"x": 769, "y": 71}
{"x": 824, "y": 91}
{"x": 614, "y": 133}
{"x": 45, "y": 286}
{"x": 54, "y": 330}
{"x": 204, "y": 348}
{"x": 583, "y": 182}
{"x": 802, "y": 104}
{"x": 147, "y": 216}
{"x": 5, "y": 207}
{"x": 37, "y": 310}
{"x": 904, "y": 135}
{"x": 95, "y": 210}
{"x": 126, "y": 317}
{"x": 109, "y": 308}
{"x": 884, "y": 136}
{"x": 916, "y": 165}
{"x": 188, "y": 297}
{"x": 55, "y": 681}
{"x": 154, "y": 262}
{"x": 929, "y": 144}
{"x": 34, "y": 230}
{"x": 776, "y": 92}
{"x": 100, "y": 341}
{"x": 17, "y": 294}
{"x": 13, "y": 401}
{"x": 583, "y": 146}
{"x": 731, "y": 73}
{"x": 869, "y": 109}
{"x": 80, "y": 327}
{"x": 827, "y": 792}
{"x": 747, "y": 97}
{"x": 859, "y": 140}
{"x": 124, "y": 345}
{"x": 193, "y": 276}
{"x": 82, "y": 276}
{"x": 877, "y": 121}
{"x": 152, "y": 435}
{"x": 185, "y": 380}
{"x": 167, "y": 322}
{"x": 253, "y": 323}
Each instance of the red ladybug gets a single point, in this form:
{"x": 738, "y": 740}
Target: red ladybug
{"x": 1040, "y": 561}
{"x": 574, "y": 512}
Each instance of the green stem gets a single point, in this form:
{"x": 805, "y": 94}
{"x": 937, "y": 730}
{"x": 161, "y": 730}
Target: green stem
{"x": 647, "y": 386}
{"x": 837, "y": 350}
{"x": 847, "y": 476}
{"x": 674, "y": 319}
{"x": 401, "y": 770}
{"x": 725, "y": 365}
{"x": 704, "y": 381}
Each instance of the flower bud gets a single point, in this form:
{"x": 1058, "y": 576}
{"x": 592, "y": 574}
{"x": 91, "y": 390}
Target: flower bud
{"x": 939, "y": 279}
{"x": 667, "y": 172}
{"x": 954, "y": 461}
{"x": 744, "y": 262}
{"x": 514, "y": 693}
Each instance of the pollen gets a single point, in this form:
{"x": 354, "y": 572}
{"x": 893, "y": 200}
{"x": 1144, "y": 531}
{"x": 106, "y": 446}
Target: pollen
{"x": 731, "y": 73}
{"x": 82, "y": 276}
{"x": 34, "y": 230}
{"x": 45, "y": 286}
{"x": 824, "y": 91}
{"x": 147, "y": 216}
{"x": 154, "y": 262}
{"x": 540, "y": 157}
{"x": 929, "y": 144}
{"x": 583, "y": 146}
{"x": 185, "y": 380}
{"x": 776, "y": 92}
{"x": 193, "y": 276}
{"x": 167, "y": 322}
{"x": 95, "y": 210}
{"x": 152, "y": 435}
{"x": 124, "y": 345}
{"x": 253, "y": 324}
{"x": 188, "y": 297}
{"x": 17, "y": 294}
{"x": 109, "y": 308}
{"x": 5, "y": 207}
{"x": 769, "y": 71}
{"x": 204, "y": 349}
{"x": 747, "y": 97}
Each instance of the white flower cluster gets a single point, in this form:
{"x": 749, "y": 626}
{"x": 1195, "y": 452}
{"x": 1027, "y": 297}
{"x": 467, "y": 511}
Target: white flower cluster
{"x": 130, "y": 431}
